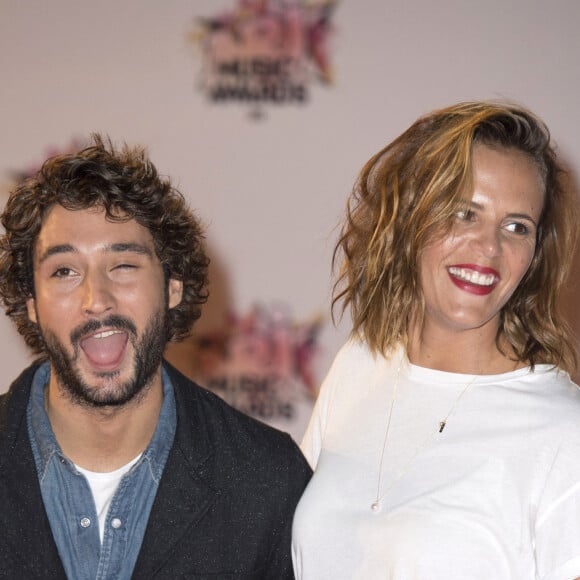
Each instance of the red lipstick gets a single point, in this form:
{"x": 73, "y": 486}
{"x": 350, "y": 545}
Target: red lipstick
{"x": 472, "y": 278}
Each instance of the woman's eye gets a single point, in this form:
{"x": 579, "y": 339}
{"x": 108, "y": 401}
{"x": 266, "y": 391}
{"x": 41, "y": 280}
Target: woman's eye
{"x": 465, "y": 215}
{"x": 518, "y": 228}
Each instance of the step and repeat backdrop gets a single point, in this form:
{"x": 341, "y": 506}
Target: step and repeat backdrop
{"x": 262, "y": 113}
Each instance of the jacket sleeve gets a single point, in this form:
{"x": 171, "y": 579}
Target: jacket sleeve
{"x": 298, "y": 476}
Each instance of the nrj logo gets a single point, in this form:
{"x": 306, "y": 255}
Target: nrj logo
{"x": 266, "y": 52}
{"x": 261, "y": 363}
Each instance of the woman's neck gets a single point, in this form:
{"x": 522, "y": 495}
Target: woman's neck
{"x": 474, "y": 351}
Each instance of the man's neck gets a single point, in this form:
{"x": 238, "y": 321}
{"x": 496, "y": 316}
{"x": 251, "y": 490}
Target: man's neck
{"x": 103, "y": 439}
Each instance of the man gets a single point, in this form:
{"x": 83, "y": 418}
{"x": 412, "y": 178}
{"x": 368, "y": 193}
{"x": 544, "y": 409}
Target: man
{"x": 112, "y": 464}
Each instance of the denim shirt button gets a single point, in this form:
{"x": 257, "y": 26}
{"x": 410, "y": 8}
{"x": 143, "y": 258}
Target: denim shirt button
{"x": 85, "y": 522}
{"x": 116, "y": 523}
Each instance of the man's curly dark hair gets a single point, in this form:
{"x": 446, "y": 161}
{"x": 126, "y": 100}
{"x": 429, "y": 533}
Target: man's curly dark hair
{"x": 127, "y": 186}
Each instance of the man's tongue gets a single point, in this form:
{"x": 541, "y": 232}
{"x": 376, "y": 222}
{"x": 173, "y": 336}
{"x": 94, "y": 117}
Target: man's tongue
{"x": 105, "y": 348}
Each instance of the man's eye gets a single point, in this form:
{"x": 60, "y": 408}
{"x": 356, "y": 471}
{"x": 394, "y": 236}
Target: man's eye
{"x": 125, "y": 267}
{"x": 62, "y": 273}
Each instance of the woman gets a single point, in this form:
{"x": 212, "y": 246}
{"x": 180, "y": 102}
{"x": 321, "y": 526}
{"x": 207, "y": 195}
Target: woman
{"x": 446, "y": 437}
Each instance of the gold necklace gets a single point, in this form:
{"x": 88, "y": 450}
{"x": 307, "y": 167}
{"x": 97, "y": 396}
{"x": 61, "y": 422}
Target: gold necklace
{"x": 376, "y": 505}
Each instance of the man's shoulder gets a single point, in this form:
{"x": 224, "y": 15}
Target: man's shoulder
{"x": 16, "y": 398}
{"x": 13, "y": 405}
{"x": 225, "y": 423}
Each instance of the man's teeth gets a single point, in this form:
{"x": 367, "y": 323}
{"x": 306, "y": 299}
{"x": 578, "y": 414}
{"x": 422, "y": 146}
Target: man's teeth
{"x": 106, "y": 333}
{"x": 473, "y": 276}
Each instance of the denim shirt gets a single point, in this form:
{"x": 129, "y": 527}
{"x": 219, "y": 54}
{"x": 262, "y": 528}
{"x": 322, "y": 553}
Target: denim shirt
{"x": 68, "y": 499}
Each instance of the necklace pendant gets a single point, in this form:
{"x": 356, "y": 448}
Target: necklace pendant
{"x": 376, "y": 505}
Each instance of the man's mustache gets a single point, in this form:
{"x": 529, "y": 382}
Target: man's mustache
{"x": 114, "y": 321}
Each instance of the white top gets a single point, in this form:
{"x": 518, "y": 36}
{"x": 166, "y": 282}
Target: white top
{"x": 103, "y": 486}
{"x": 495, "y": 496}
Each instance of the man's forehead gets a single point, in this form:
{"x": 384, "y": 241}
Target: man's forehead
{"x": 74, "y": 229}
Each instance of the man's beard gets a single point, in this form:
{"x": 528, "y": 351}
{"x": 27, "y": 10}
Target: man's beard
{"x": 147, "y": 360}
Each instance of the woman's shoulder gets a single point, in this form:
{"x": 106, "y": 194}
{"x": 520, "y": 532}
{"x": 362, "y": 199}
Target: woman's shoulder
{"x": 556, "y": 396}
{"x": 355, "y": 351}
{"x": 556, "y": 384}
{"x": 354, "y": 357}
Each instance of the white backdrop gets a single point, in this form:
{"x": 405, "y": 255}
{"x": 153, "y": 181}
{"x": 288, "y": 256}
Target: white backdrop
{"x": 272, "y": 191}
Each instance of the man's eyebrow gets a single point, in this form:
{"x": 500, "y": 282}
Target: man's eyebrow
{"x": 129, "y": 247}
{"x": 116, "y": 248}
{"x": 55, "y": 250}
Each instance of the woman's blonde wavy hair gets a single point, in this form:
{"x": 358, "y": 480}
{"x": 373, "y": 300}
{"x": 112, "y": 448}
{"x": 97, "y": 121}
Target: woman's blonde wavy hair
{"x": 410, "y": 192}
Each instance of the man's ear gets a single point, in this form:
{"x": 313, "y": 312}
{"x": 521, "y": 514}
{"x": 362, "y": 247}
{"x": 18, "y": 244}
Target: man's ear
{"x": 175, "y": 292}
{"x": 31, "y": 308}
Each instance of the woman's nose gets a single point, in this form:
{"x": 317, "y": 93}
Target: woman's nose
{"x": 487, "y": 239}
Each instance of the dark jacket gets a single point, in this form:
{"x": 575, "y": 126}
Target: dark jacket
{"x": 223, "y": 508}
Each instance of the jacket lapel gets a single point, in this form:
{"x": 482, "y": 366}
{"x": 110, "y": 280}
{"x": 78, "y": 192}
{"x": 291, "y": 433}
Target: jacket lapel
{"x": 26, "y": 544}
{"x": 184, "y": 495}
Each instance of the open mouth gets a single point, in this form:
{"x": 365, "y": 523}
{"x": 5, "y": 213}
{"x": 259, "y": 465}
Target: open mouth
{"x": 474, "y": 279}
{"x": 473, "y": 276}
{"x": 105, "y": 349}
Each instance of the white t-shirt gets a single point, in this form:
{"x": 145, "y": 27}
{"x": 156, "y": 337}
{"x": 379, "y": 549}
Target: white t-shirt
{"x": 103, "y": 486}
{"x": 495, "y": 496}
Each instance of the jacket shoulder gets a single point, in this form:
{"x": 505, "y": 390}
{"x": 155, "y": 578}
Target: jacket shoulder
{"x": 13, "y": 402}
{"x": 228, "y": 428}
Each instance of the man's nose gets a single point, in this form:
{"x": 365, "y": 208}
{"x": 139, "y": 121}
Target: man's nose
{"x": 97, "y": 295}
